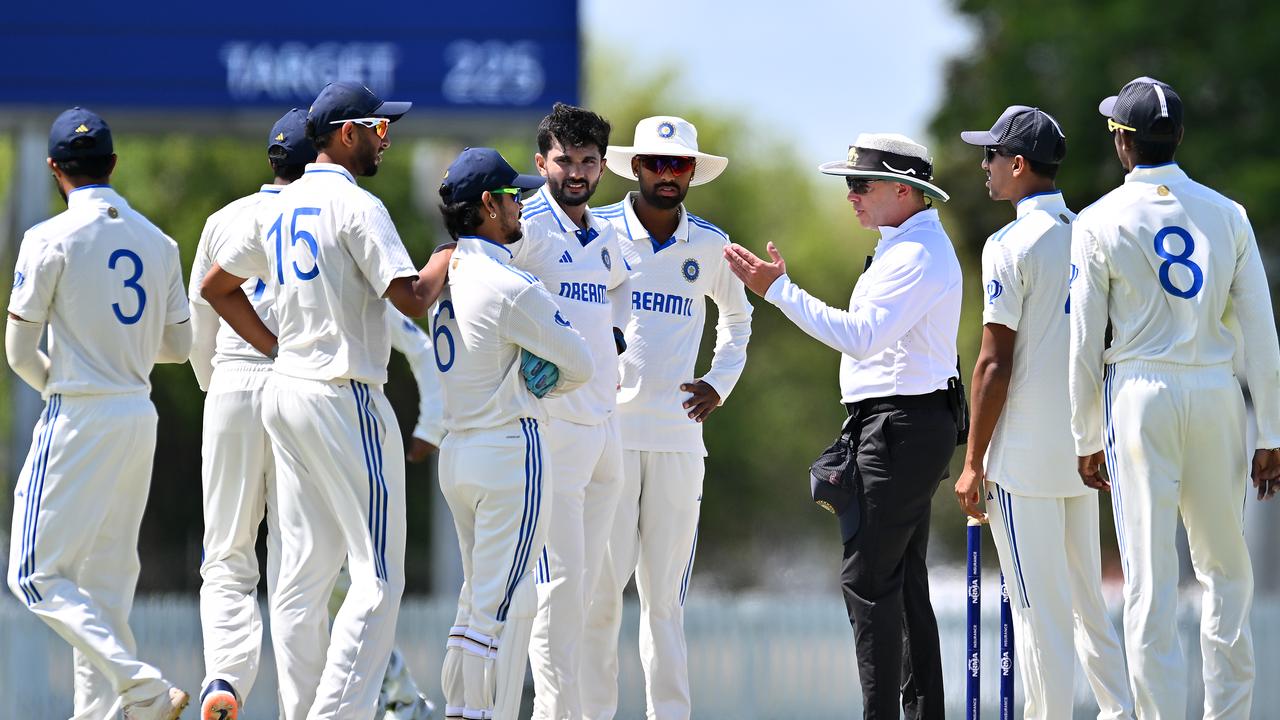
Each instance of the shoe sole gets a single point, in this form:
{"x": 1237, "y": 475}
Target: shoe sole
{"x": 219, "y": 706}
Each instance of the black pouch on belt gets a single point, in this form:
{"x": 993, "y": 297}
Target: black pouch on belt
{"x": 958, "y": 401}
{"x": 833, "y": 477}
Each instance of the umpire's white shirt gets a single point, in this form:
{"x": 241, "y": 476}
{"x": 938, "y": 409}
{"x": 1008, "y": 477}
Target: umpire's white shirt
{"x": 118, "y": 283}
{"x": 670, "y": 281}
{"x": 328, "y": 251}
{"x": 487, "y": 313}
{"x": 589, "y": 280}
{"x": 898, "y": 336}
{"x": 1026, "y": 272}
{"x": 1163, "y": 260}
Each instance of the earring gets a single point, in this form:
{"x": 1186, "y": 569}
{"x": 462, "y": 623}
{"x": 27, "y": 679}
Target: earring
{"x": 493, "y": 215}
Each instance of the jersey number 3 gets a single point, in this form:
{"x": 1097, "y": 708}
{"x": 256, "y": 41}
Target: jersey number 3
{"x": 1182, "y": 259}
{"x": 130, "y": 283}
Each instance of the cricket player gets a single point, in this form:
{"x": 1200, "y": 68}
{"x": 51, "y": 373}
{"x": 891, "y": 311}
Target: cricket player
{"x": 330, "y": 255}
{"x": 576, "y": 255}
{"x": 676, "y": 262}
{"x": 1162, "y": 261}
{"x": 108, "y": 284}
{"x": 1020, "y": 455}
{"x": 493, "y": 461}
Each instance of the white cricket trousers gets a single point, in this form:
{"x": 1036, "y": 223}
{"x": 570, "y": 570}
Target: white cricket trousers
{"x": 73, "y": 554}
{"x": 340, "y": 489}
{"x": 498, "y": 489}
{"x": 1051, "y": 559}
{"x": 587, "y": 463}
{"x": 238, "y": 476}
{"x": 1174, "y": 441}
{"x": 655, "y": 536}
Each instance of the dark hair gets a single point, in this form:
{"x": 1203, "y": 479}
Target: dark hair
{"x": 87, "y": 167}
{"x": 287, "y": 171}
{"x": 1156, "y": 152}
{"x": 573, "y": 127}
{"x": 1048, "y": 171}
{"x": 320, "y": 141}
{"x": 461, "y": 218}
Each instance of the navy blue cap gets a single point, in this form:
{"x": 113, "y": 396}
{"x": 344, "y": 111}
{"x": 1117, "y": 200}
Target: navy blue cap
{"x": 350, "y": 101}
{"x": 1143, "y": 102}
{"x": 1026, "y": 131}
{"x": 479, "y": 169}
{"x": 288, "y": 142}
{"x": 78, "y": 133}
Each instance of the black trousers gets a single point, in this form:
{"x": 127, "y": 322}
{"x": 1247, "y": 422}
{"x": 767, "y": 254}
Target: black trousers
{"x": 905, "y": 445}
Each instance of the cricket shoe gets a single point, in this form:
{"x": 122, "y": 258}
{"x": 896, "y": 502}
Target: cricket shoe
{"x": 219, "y": 702}
{"x": 419, "y": 709}
{"x": 168, "y": 705}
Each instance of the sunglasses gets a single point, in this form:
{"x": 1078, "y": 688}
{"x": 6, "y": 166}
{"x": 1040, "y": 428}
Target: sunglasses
{"x": 379, "y": 125}
{"x": 658, "y": 164}
{"x": 513, "y": 192}
{"x": 859, "y": 186}
{"x": 1113, "y": 126}
{"x": 991, "y": 151}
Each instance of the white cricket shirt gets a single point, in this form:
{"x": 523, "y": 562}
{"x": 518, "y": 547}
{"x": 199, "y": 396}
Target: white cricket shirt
{"x": 488, "y": 311}
{"x": 1163, "y": 260}
{"x": 898, "y": 336}
{"x": 1026, "y": 273}
{"x": 408, "y": 337}
{"x": 107, "y": 282}
{"x": 670, "y": 281}
{"x": 235, "y": 220}
{"x": 585, "y": 270}
{"x": 328, "y": 250}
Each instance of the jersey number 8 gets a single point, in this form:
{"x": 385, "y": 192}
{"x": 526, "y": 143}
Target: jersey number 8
{"x": 1183, "y": 259}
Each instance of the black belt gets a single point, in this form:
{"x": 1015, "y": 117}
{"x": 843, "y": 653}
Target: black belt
{"x": 872, "y": 406}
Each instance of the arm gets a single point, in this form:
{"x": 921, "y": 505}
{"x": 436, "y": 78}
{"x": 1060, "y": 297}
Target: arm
{"x": 204, "y": 338}
{"x": 733, "y": 332}
{"x": 410, "y": 340}
{"x": 990, "y": 388}
{"x": 619, "y": 291}
{"x": 35, "y": 278}
{"x": 22, "y": 349}
{"x": 414, "y": 295}
{"x": 222, "y": 290}
{"x": 1089, "y": 303}
{"x": 1251, "y": 297}
{"x": 532, "y": 321}
{"x": 175, "y": 343}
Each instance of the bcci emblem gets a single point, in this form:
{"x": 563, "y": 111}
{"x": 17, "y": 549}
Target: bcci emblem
{"x": 561, "y": 321}
{"x": 994, "y": 290}
{"x": 690, "y": 270}
{"x": 18, "y": 279}
{"x": 666, "y": 130}
{"x": 604, "y": 258}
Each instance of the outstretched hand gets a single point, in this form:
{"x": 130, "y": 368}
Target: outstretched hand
{"x": 1266, "y": 473}
{"x": 755, "y": 273}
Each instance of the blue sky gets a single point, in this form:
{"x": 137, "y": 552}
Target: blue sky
{"x": 821, "y": 70}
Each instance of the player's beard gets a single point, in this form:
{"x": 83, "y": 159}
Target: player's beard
{"x": 367, "y": 155}
{"x": 663, "y": 202}
{"x": 571, "y": 199}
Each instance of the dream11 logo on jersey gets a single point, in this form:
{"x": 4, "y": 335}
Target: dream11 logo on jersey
{"x": 295, "y": 72}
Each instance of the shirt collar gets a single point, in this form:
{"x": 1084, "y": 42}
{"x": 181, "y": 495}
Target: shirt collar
{"x": 928, "y": 215}
{"x": 476, "y": 245}
{"x": 1050, "y": 201}
{"x": 90, "y": 194}
{"x": 325, "y": 168}
{"x": 1163, "y": 173}
{"x": 638, "y": 231}
{"x": 273, "y": 189}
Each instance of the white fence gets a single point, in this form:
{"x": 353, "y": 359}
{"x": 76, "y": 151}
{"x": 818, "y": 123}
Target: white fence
{"x": 750, "y": 656}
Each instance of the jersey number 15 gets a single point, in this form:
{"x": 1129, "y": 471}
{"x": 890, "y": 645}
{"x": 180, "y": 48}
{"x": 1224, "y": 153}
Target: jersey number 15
{"x": 295, "y": 234}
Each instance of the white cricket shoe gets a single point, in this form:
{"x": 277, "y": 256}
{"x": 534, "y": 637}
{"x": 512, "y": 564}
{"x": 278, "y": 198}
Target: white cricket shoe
{"x": 165, "y": 706}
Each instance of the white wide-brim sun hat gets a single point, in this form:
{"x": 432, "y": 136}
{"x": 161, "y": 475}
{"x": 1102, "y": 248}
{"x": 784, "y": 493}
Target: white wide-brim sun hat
{"x": 670, "y": 136}
{"x": 888, "y": 156}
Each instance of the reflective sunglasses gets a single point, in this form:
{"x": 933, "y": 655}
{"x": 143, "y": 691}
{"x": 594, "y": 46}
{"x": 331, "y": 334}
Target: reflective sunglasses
{"x": 1113, "y": 126}
{"x": 379, "y": 125}
{"x": 658, "y": 164}
{"x": 991, "y": 151}
{"x": 859, "y": 186}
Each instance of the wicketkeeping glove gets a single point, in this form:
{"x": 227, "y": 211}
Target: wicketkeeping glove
{"x": 540, "y": 376}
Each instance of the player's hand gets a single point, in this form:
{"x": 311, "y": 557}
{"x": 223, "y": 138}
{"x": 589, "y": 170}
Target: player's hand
{"x": 969, "y": 490}
{"x": 755, "y": 273}
{"x": 1266, "y": 473}
{"x": 703, "y": 400}
{"x": 540, "y": 376}
{"x": 419, "y": 450}
{"x": 1090, "y": 468}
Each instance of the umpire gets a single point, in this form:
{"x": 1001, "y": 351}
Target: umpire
{"x": 898, "y": 345}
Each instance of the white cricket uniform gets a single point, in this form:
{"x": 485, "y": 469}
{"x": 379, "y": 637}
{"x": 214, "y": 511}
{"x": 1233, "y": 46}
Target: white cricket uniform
{"x": 655, "y": 527}
{"x": 237, "y": 469}
{"x": 492, "y": 467}
{"x": 585, "y": 270}
{"x": 1163, "y": 259}
{"x": 328, "y": 251}
{"x": 107, "y": 282}
{"x": 1044, "y": 520}
{"x": 408, "y": 338}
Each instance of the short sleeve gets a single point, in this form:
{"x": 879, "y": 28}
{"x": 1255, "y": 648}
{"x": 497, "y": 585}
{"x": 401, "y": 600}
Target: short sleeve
{"x": 246, "y": 255}
{"x": 176, "y": 310}
{"x": 1002, "y": 285}
{"x": 35, "y": 276}
{"x": 377, "y": 249}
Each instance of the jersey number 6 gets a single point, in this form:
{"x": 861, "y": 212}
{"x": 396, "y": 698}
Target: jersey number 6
{"x": 439, "y": 330}
{"x": 1183, "y": 259}
{"x": 131, "y": 282}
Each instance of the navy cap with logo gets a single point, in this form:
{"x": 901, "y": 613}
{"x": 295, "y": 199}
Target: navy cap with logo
{"x": 340, "y": 101}
{"x": 1026, "y": 131}
{"x": 288, "y": 142}
{"x": 1141, "y": 104}
{"x": 78, "y": 133}
{"x": 479, "y": 169}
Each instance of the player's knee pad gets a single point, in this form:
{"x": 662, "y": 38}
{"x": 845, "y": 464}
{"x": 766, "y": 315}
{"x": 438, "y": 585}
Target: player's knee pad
{"x": 451, "y": 679}
{"x": 479, "y": 657}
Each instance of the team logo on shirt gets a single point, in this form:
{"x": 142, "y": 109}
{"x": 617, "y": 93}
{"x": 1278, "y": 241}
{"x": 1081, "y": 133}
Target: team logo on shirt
{"x": 18, "y": 279}
{"x": 994, "y": 290}
{"x": 690, "y": 270}
{"x": 666, "y": 130}
{"x": 604, "y": 258}
{"x": 561, "y": 321}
